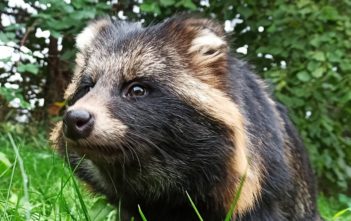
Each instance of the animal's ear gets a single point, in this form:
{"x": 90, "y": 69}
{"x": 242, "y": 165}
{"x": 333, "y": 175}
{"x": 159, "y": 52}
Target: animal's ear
{"x": 203, "y": 45}
{"x": 208, "y": 40}
{"x": 84, "y": 42}
{"x": 89, "y": 33}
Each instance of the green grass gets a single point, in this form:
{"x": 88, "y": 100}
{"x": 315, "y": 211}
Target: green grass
{"x": 194, "y": 207}
{"x": 36, "y": 183}
{"x": 51, "y": 192}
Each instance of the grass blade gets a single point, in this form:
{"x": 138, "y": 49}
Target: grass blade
{"x": 76, "y": 188}
{"x": 81, "y": 201}
{"x": 141, "y": 214}
{"x": 119, "y": 210}
{"x": 341, "y": 213}
{"x": 194, "y": 207}
{"x": 10, "y": 186}
{"x": 24, "y": 178}
{"x": 236, "y": 198}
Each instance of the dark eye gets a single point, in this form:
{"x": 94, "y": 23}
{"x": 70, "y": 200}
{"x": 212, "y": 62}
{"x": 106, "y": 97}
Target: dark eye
{"x": 135, "y": 90}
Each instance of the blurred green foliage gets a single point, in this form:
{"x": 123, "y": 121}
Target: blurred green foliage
{"x": 302, "y": 48}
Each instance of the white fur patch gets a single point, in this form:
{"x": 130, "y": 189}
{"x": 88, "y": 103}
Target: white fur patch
{"x": 205, "y": 41}
{"x": 85, "y": 38}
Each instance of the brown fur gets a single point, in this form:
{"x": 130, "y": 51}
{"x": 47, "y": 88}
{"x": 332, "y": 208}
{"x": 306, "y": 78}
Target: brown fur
{"x": 190, "y": 60}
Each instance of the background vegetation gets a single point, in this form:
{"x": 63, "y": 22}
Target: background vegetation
{"x": 302, "y": 48}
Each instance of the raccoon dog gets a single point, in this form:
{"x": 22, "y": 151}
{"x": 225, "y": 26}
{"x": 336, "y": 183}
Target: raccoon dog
{"x": 157, "y": 112}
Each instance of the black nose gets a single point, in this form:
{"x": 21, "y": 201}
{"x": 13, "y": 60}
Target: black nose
{"x": 77, "y": 124}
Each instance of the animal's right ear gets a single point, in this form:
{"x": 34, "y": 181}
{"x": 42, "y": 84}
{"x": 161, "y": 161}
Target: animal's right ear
{"x": 89, "y": 33}
{"x": 84, "y": 41}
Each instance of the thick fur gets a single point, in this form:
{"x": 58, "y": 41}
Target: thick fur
{"x": 206, "y": 123}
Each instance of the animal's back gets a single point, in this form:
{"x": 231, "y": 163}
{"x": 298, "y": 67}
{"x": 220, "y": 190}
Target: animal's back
{"x": 288, "y": 190}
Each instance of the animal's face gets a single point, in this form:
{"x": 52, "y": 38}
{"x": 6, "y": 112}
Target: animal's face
{"x": 133, "y": 86}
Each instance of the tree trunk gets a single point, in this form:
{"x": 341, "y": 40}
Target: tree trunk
{"x": 56, "y": 79}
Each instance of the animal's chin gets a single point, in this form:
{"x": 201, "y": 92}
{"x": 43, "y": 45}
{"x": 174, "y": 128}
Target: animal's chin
{"x": 95, "y": 152}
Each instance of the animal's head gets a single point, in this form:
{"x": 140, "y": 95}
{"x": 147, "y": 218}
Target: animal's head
{"x": 143, "y": 85}
{"x": 155, "y": 98}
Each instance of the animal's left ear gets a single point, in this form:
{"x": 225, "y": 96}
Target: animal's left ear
{"x": 203, "y": 45}
{"x": 208, "y": 42}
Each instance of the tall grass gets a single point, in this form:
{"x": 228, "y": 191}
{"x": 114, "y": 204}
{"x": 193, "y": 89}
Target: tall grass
{"x": 35, "y": 184}
{"x": 24, "y": 178}
{"x": 76, "y": 188}
{"x": 231, "y": 211}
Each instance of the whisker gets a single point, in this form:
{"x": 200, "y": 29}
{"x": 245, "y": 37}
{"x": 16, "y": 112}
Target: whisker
{"x": 133, "y": 152}
{"x": 148, "y": 141}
